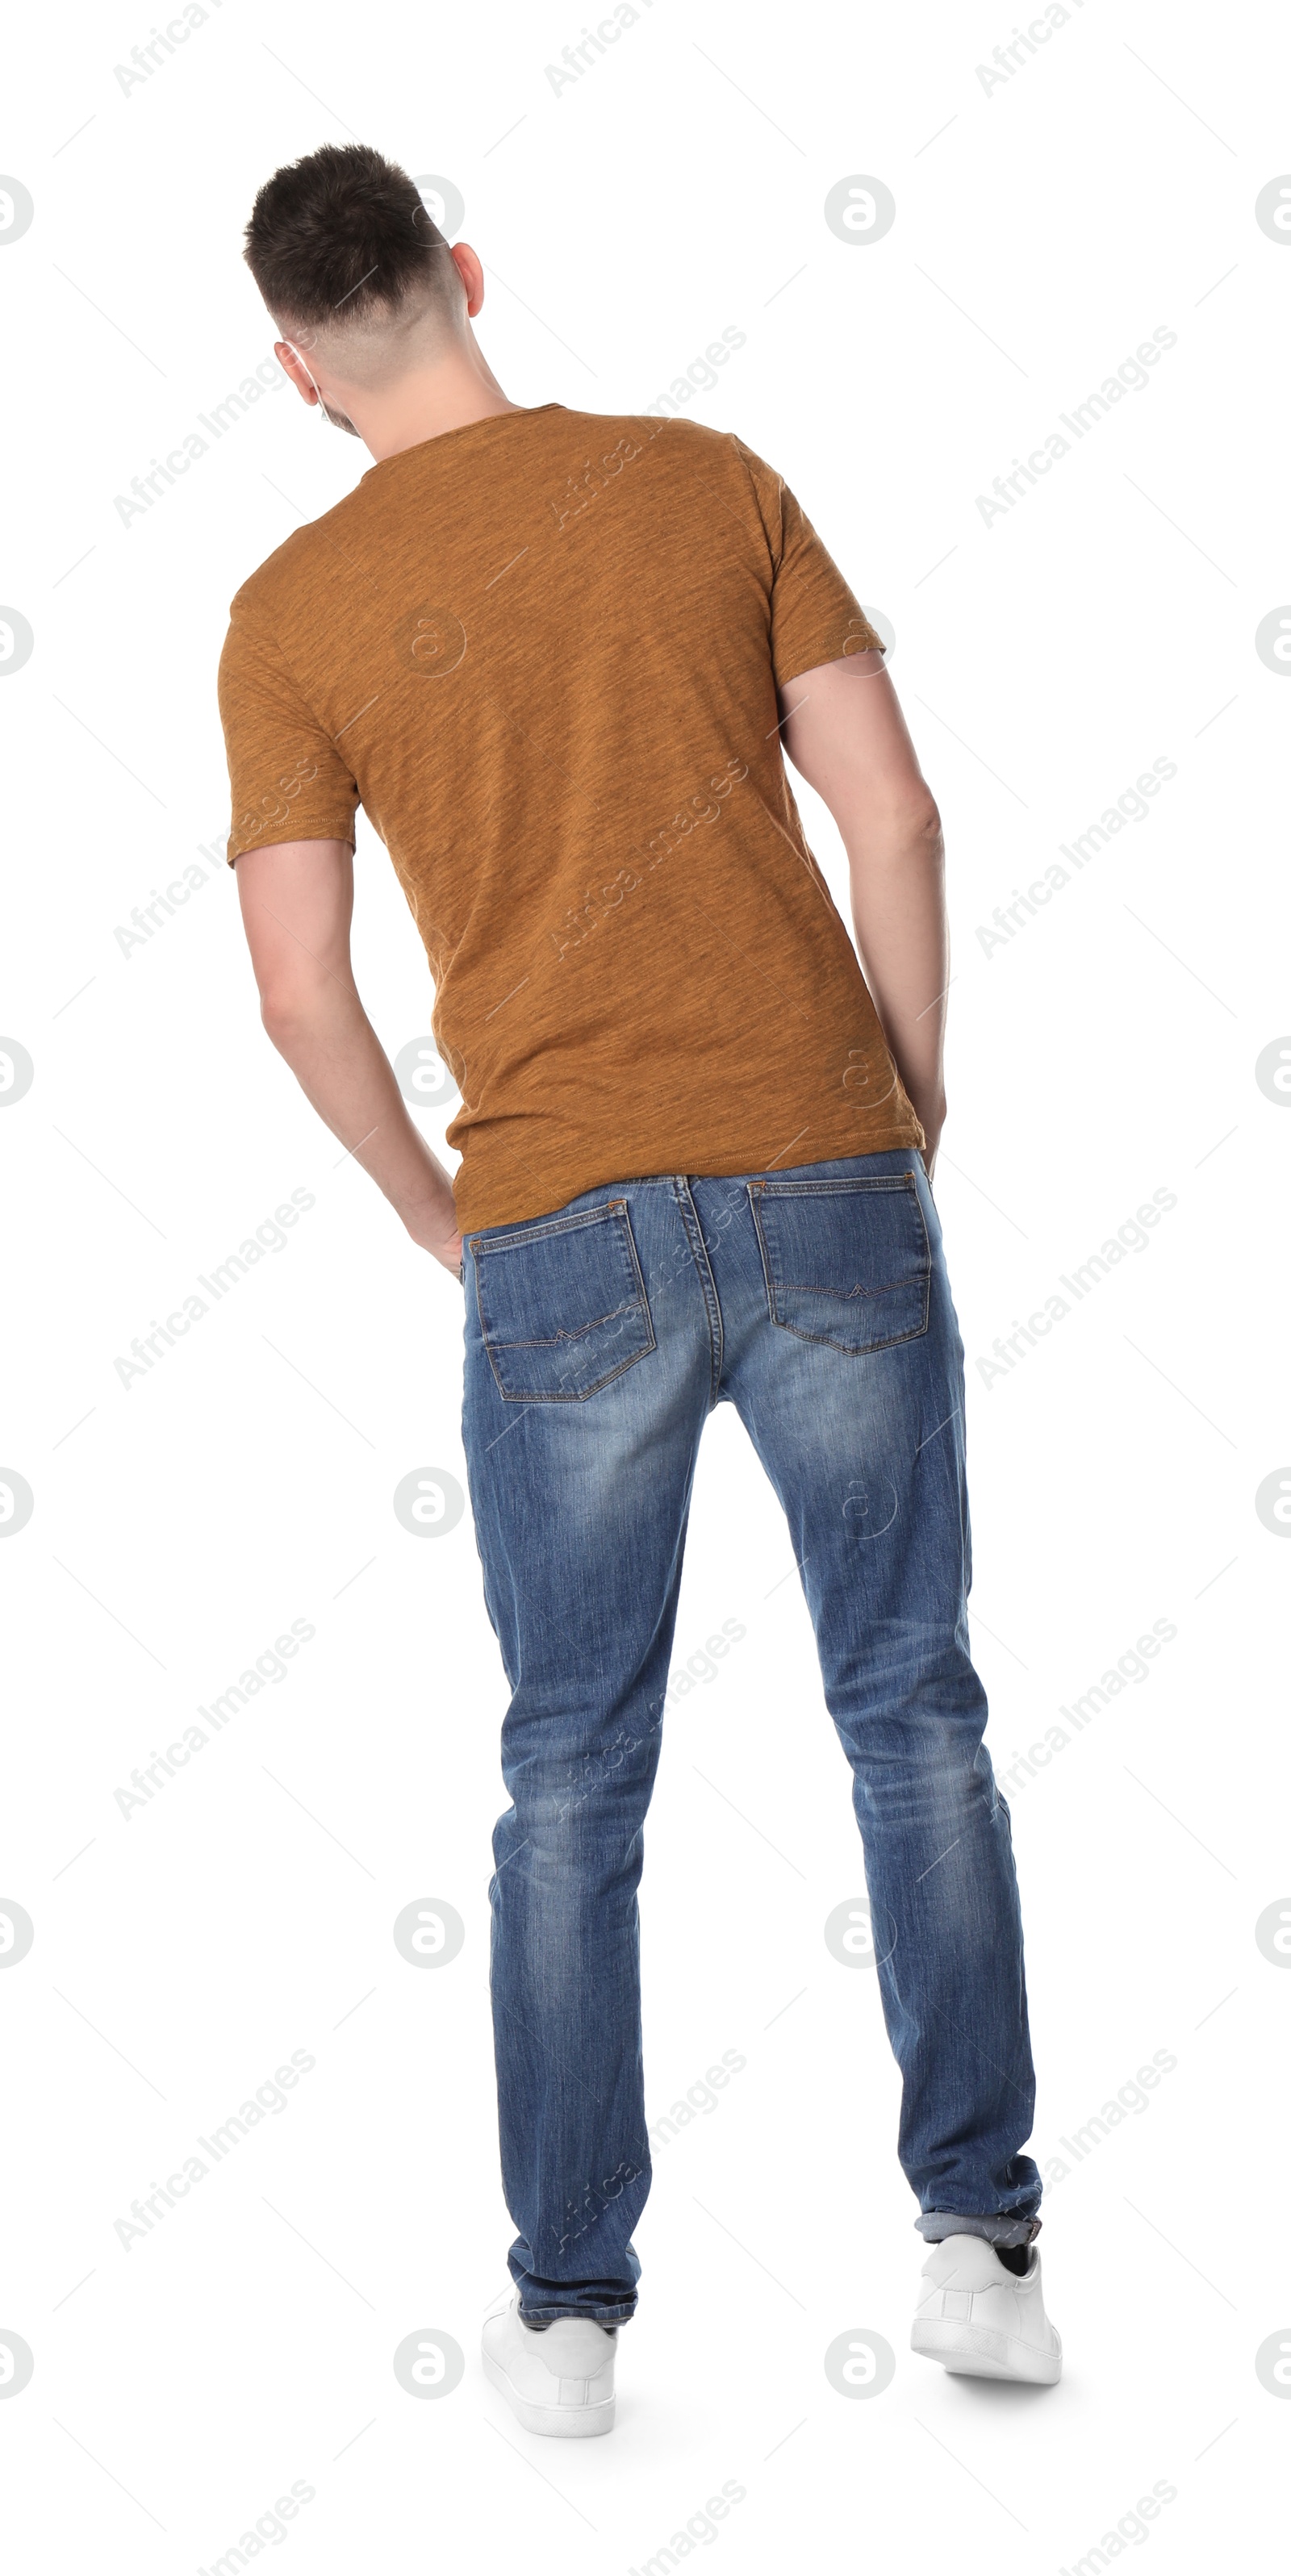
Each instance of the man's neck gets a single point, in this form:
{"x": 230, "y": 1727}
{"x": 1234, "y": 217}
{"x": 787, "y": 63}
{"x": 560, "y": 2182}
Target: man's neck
{"x": 426, "y": 403}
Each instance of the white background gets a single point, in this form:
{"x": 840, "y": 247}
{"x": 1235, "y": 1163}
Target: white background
{"x": 1044, "y": 228}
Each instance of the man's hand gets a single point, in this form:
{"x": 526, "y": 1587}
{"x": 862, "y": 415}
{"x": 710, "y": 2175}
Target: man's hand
{"x": 845, "y": 731}
{"x": 297, "y": 898}
{"x": 445, "y": 1248}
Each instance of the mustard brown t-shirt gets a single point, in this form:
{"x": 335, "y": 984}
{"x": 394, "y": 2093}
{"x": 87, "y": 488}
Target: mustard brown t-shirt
{"x": 542, "y": 652}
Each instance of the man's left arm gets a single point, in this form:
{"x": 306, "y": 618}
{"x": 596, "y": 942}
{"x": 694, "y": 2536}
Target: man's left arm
{"x": 844, "y": 730}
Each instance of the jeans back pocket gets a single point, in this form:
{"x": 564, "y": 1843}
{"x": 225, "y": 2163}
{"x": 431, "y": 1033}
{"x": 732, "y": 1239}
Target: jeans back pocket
{"x": 562, "y": 1305}
{"x": 847, "y": 1262}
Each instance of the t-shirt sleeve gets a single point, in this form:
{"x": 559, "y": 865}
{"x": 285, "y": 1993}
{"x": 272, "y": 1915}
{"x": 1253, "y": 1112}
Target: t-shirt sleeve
{"x": 288, "y": 780}
{"x": 815, "y": 617}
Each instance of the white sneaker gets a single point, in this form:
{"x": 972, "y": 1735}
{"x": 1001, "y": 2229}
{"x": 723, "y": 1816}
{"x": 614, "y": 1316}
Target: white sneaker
{"x": 975, "y": 2315}
{"x": 557, "y": 2378}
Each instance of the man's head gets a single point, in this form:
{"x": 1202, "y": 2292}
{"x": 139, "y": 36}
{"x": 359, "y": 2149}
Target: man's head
{"x": 359, "y": 279}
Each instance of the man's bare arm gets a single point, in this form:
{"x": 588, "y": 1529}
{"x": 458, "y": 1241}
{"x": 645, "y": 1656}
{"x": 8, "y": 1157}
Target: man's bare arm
{"x": 845, "y": 731}
{"x": 297, "y": 898}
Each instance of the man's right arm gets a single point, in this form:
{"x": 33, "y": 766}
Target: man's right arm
{"x": 297, "y": 898}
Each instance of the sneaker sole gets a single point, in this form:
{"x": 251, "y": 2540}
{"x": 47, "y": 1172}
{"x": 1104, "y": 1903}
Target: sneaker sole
{"x": 978, "y": 2352}
{"x": 570, "y": 2423}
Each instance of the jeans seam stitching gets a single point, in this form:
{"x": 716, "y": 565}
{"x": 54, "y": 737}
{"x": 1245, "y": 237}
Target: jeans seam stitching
{"x": 707, "y": 1284}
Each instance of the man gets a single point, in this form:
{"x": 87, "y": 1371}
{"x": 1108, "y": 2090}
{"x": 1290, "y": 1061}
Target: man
{"x": 556, "y": 656}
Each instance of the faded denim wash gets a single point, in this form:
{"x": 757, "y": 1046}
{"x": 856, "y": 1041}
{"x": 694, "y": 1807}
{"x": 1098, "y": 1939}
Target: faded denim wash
{"x": 597, "y": 1340}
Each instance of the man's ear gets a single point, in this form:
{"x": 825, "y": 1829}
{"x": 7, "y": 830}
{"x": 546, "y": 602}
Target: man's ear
{"x": 294, "y": 366}
{"x": 471, "y": 274}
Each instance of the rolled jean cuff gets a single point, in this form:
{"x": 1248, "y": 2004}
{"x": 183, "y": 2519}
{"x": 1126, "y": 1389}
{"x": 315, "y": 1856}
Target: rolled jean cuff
{"x": 610, "y": 2315}
{"x": 937, "y": 2224}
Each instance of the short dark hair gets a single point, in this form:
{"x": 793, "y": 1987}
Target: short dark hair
{"x": 341, "y": 236}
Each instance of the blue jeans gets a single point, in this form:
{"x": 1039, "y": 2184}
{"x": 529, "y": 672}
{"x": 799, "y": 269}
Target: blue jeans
{"x": 597, "y": 1340}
